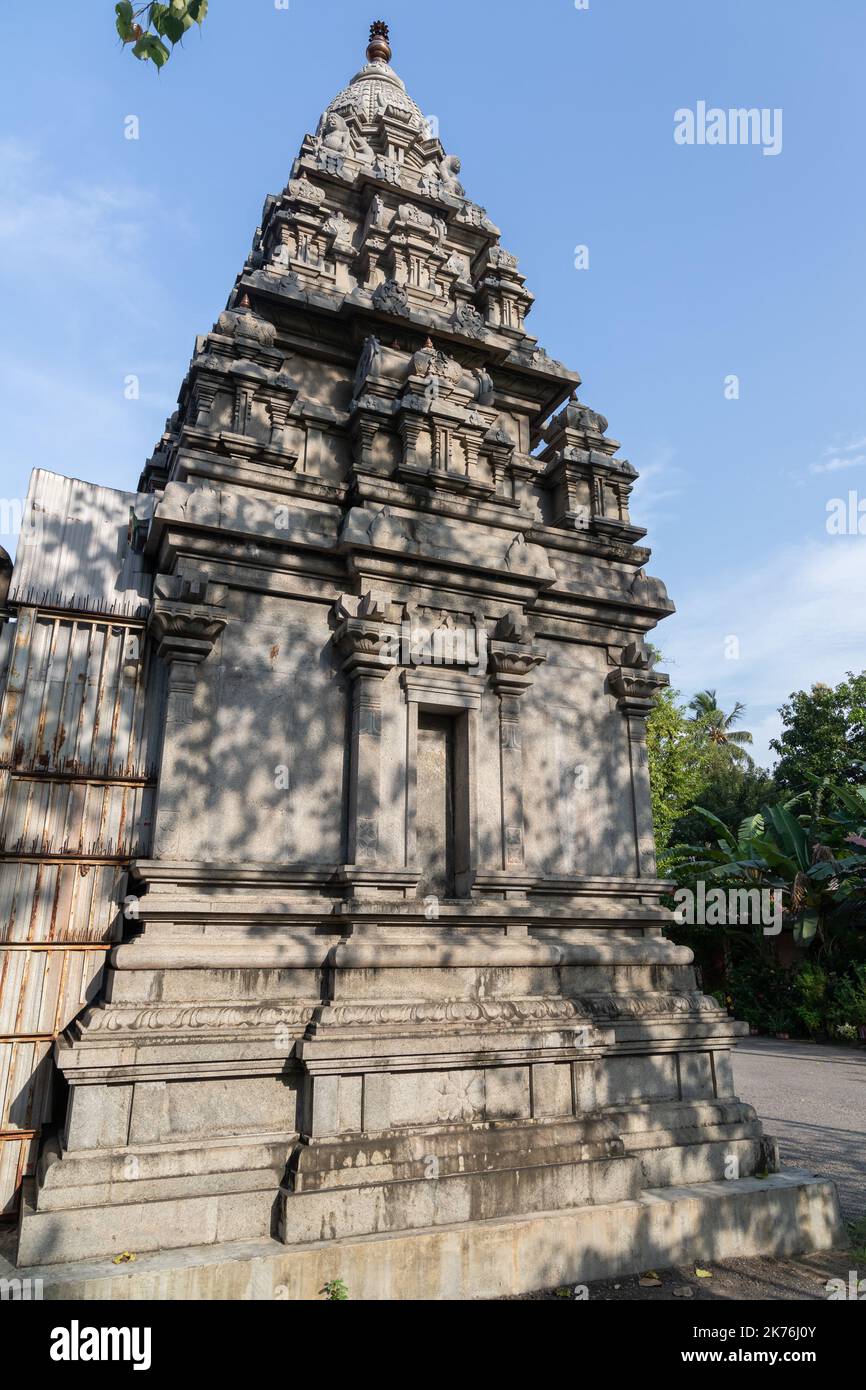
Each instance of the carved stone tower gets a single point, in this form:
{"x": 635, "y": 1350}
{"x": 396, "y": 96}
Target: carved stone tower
{"x": 395, "y": 968}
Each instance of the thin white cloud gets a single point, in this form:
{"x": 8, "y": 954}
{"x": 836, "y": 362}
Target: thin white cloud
{"x": 834, "y": 465}
{"x": 797, "y": 618}
{"x": 839, "y": 456}
{"x": 659, "y": 486}
{"x": 92, "y": 234}
{"x": 93, "y": 310}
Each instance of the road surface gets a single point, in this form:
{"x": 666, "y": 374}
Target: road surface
{"x": 813, "y": 1100}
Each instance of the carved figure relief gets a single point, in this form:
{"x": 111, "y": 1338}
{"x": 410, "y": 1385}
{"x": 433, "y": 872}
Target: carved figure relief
{"x": 449, "y": 170}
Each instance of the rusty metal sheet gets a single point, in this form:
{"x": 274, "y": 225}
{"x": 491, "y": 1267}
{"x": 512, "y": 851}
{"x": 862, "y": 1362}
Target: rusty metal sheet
{"x": 81, "y": 700}
{"x": 82, "y": 819}
{"x": 45, "y": 901}
{"x": 25, "y": 1085}
{"x": 43, "y": 988}
{"x": 17, "y": 1161}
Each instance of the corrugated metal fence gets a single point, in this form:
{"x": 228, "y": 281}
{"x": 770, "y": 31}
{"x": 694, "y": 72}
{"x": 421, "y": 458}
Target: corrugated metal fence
{"x": 77, "y": 782}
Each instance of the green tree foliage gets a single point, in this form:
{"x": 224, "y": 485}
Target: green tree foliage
{"x": 800, "y": 832}
{"x": 717, "y": 728}
{"x": 696, "y": 756}
{"x": 154, "y": 29}
{"x": 824, "y": 735}
{"x": 678, "y": 765}
{"x": 731, "y": 793}
{"x": 815, "y": 862}
{"x": 807, "y": 1000}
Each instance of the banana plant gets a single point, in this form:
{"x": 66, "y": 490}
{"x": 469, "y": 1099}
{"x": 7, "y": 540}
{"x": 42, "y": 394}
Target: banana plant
{"x": 816, "y": 861}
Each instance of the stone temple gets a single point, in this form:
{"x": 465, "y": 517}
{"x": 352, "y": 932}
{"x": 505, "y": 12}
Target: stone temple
{"x": 376, "y": 986}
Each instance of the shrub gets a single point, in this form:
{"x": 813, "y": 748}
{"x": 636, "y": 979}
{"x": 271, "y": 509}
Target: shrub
{"x": 848, "y": 1006}
{"x": 812, "y": 986}
{"x": 763, "y": 994}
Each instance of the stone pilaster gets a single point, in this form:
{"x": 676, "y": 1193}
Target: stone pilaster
{"x": 410, "y": 425}
{"x": 511, "y": 666}
{"x": 186, "y": 621}
{"x": 636, "y": 686}
{"x": 362, "y": 641}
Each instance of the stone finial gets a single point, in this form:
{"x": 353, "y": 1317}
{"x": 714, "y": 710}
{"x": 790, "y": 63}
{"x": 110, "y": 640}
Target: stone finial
{"x": 638, "y": 657}
{"x": 379, "y": 49}
{"x": 513, "y": 627}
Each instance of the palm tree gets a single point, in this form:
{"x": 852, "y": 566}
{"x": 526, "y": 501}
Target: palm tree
{"x": 718, "y": 726}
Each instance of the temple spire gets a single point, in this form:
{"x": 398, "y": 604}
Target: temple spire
{"x": 379, "y": 49}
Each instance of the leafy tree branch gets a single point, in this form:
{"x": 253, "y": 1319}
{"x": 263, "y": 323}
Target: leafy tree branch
{"x": 153, "y": 29}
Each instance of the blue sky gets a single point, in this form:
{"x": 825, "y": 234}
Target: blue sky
{"x": 704, "y": 261}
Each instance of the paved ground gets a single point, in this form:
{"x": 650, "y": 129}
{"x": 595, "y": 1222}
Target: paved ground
{"x": 804, "y": 1279}
{"x": 812, "y": 1098}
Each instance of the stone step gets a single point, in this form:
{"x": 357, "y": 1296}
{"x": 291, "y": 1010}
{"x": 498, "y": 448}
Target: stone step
{"x": 785, "y": 1214}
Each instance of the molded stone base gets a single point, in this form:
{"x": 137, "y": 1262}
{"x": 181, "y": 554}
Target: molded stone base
{"x": 784, "y": 1214}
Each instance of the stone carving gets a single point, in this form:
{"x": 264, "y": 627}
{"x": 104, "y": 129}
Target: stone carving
{"x": 367, "y": 827}
{"x": 334, "y": 137}
{"x": 430, "y": 362}
{"x": 387, "y": 169}
{"x": 332, "y": 164}
{"x": 374, "y": 605}
{"x": 195, "y": 1018}
{"x": 303, "y": 191}
{"x": 241, "y": 322}
{"x": 647, "y": 1005}
{"x": 340, "y": 228}
{"x": 580, "y": 417}
{"x": 474, "y": 216}
{"x": 431, "y": 185}
{"x": 468, "y": 320}
{"x": 391, "y": 298}
{"x": 449, "y": 171}
{"x": 383, "y": 526}
{"x": 370, "y": 354}
{"x": 409, "y": 212}
{"x": 376, "y": 216}
{"x": 187, "y": 617}
{"x": 377, "y": 91}
{"x": 460, "y": 1096}
{"x": 634, "y": 682}
{"x": 334, "y": 134}
{"x": 486, "y": 391}
{"x": 515, "y": 553}
{"x": 500, "y": 438}
{"x": 505, "y": 666}
{"x": 638, "y": 657}
{"x": 513, "y": 627}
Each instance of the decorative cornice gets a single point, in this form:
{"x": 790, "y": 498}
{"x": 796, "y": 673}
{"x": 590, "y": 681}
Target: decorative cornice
{"x": 460, "y": 1011}
{"x": 362, "y": 635}
{"x": 187, "y": 618}
{"x": 197, "y": 1019}
{"x": 634, "y": 682}
{"x": 511, "y": 658}
{"x": 612, "y": 1006}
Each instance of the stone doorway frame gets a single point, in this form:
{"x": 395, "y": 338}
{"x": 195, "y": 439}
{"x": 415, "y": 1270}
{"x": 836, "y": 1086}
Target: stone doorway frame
{"x": 445, "y": 692}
